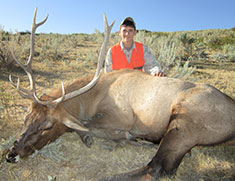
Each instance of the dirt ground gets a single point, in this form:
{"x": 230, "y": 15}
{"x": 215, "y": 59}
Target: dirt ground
{"x": 69, "y": 159}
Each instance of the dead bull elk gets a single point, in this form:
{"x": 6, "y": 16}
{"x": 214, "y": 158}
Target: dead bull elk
{"x": 126, "y": 105}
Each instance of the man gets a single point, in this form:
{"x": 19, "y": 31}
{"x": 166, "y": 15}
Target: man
{"x": 131, "y": 54}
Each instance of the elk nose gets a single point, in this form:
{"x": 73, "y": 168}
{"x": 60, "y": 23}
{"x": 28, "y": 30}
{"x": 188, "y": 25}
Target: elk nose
{"x": 16, "y": 143}
{"x": 11, "y": 156}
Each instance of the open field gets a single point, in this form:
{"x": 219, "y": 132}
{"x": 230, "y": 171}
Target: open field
{"x": 69, "y": 159}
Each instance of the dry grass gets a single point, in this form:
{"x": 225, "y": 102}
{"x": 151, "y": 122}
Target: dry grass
{"x": 69, "y": 159}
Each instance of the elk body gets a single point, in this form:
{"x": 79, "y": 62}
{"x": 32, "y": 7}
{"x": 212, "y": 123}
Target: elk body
{"x": 127, "y": 105}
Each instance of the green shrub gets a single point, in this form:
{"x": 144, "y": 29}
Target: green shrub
{"x": 5, "y": 97}
{"x": 50, "y": 47}
{"x": 232, "y": 58}
{"x": 218, "y": 42}
{"x": 187, "y": 46}
{"x": 6, "y": 59}
{"x": 229, "y": 51}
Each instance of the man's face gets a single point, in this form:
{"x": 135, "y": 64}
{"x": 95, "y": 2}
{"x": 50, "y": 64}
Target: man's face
{"x": 127, "y": 33}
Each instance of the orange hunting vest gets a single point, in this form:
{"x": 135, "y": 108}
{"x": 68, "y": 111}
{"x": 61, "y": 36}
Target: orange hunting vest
{"x": 119, "y": 60}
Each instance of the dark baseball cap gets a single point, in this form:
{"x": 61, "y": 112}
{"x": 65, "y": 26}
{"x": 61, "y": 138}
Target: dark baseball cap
{"x": 128, "y": 22}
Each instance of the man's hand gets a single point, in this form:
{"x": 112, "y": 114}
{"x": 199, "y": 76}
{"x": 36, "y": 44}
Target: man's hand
{"x": 159, "y": 74}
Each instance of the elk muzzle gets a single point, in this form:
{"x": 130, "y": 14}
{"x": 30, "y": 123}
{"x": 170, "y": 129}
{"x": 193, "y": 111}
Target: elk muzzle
{"x": 12, "y": 153}
{"x": 18, "y": 149}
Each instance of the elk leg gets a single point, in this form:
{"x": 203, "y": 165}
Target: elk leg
{"x": 178, "y": 140}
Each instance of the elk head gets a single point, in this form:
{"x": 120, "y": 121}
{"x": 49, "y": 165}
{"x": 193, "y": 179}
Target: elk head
{"x": 46, "y": 120}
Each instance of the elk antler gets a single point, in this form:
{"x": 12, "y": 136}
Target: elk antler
{"x": 31, "y": 93}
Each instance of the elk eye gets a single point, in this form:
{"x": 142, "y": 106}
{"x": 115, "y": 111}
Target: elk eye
{"x": 46, "y": 126}
{"x": 44, "y": 131}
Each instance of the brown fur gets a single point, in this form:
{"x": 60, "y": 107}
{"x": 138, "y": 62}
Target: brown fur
{"x": 126, "y": 105}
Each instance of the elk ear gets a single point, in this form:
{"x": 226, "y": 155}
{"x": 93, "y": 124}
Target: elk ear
{"x": 73, "y": 123}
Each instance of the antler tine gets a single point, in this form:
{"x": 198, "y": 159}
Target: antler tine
{"x": 28, "y": 69}
{"x": 32, "y": 37}
{"x": 52, "y": 103}
{"x": 31, "y": 93}
{"x": 104, "y": 46}
{"x": 23, "y": 92}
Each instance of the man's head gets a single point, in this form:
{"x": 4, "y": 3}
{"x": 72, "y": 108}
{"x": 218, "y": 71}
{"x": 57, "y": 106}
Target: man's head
{"x": 127, "y": 30}
{"x": 128, "y": 22}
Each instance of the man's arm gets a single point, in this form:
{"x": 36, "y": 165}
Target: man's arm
{"x": 151, "y": 65}
{"x": 108, "y": 62}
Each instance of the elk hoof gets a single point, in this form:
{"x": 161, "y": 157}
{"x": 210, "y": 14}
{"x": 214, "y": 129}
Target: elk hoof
{"x": 136, "y": 175}
{"x": 88, "y": 140}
